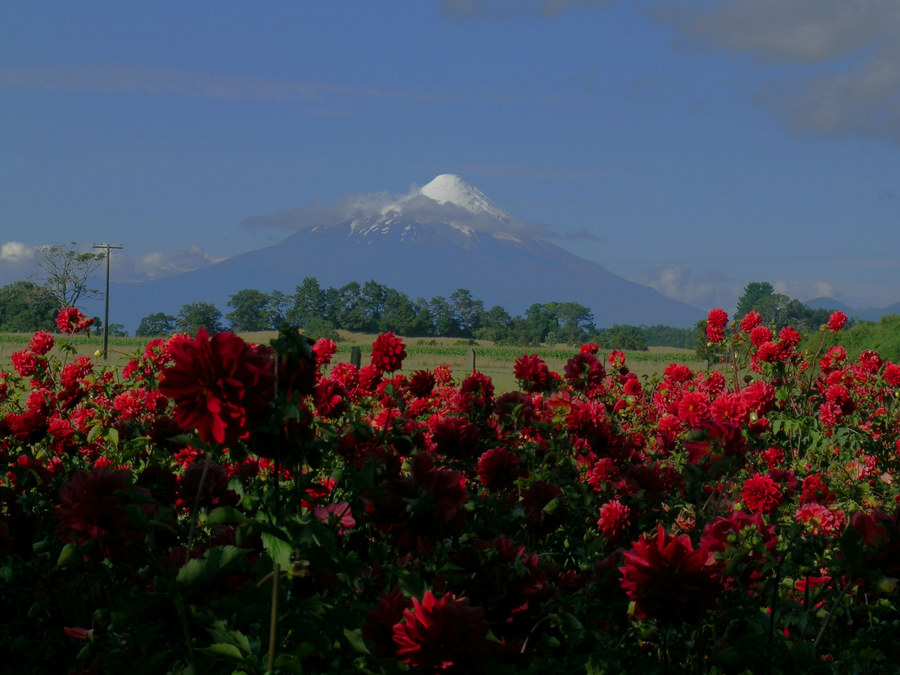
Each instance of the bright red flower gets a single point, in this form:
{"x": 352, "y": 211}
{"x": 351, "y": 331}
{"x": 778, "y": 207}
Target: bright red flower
{"x": 759, "y": 335}
{"x": 892, "y": 374}
{"x": 443, "y": 634}
{"x": 837, "y": 321}
{"x": 820, "y": 519}
{"x": 668, "y": 580}
{"x": 388, "y": 352}
{"x": 41, "y": 343}
{"x": 324, "y": 349}
{"x": 613, "y": 520}
{"x": 715, "y": 325}
{"x": 70, "y": 321}
{"x": 750, "y": 321}
{"x": 25, "y": 363}
{"x": 220, "y": 386}
{"x": 761, "y": 494}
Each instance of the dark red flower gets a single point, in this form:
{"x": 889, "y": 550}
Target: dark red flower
{"x": 532, "y": 373}
{"x": 421, "y": 383}
{"x": 443, "y": 634}
{"x": 498, "y": 468}
{"x": 668, "y": 580}
{"x": 331, "y": 398}
{"x": 544, "y": 508}
{"x": 220, "y": 386}
{"x": 584, "y": 372}
{"x": 613, "y": 520}
{"x": 379, "y": 626}
{"x": 761, "y": 494}
{"x": 93, "y": 510}
{"x": 388, "y": 352}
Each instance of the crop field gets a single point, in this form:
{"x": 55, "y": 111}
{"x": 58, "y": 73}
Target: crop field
{"x": 495, "y": 361}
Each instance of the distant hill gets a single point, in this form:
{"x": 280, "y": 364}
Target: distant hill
{"x": 448, "y": 236}
{"x": 869, "y": 314}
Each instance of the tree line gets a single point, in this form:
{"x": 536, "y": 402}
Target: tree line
{"x": 372, "y": 307}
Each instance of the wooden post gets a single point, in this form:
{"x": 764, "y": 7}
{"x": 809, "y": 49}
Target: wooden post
{"x": 356, "y": 356}
{"x": 472, "y": 359}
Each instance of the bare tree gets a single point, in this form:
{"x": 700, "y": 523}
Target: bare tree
{"x": 66, "y": 272}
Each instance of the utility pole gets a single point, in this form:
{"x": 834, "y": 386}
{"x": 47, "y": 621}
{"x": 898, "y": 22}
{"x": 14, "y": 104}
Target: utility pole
{"x": 108, "y": 247}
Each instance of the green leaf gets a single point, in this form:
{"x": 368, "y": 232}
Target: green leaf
{"x": 355, "y": 638}
{"x": 223, "y": 649}
{"x": 225, "y": 515}
{"x": 197, "y": 570}
{"x": 113, "y": 436}
{"x": 278, "y": 549}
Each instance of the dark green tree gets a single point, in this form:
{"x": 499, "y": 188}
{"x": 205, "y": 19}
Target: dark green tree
{"x": 494, "y": 324}
{"x": 251, "y": 311}
{"x": 754, "y": 293}
{"x": 26, "y": 307}
{"x": 466, "y": 310}
{"x": 156, "y": 325}
{"x": 399, "y": 314}
{"x": 445, "y": 324}
{"x": 309, "y": 301}
{"x": 198, "y": 315}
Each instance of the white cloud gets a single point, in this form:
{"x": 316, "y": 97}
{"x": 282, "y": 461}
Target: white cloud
{"x": 805, "y": 289}
{"x": 705, "y": 291}
{"x": 161, "y": 264}
{"x": 16, "y": 252}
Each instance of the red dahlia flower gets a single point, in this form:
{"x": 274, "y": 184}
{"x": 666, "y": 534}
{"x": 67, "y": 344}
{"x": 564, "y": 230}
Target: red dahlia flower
{"x": 443, "y": 634}
{"x": 70, "y": 320}
{"x": 715, "y": 325}
{"x": 532, "y": 373}
{"x": 668, "y": 580}
{"x": 836, "y": 321}
{"x": 41, "y": 343}
{"x": 93, "y": 508}
{"x": 761, "y": 494}
{"x": 498, "y": 468}
{"x": 220, "y": 386}
{"x": 750, "y": 321}
{"x": 388, "y": 352}
{"x": 613, "y": 519}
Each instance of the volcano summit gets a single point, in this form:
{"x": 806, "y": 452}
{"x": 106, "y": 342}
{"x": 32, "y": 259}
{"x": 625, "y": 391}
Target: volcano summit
{"x": 444, "y": 236}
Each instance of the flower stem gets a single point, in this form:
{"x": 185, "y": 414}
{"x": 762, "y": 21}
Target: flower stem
{"x": 195, "y": 509}
{"x": 273, "y": 619}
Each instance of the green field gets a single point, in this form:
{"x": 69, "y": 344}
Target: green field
{"x": 493, "y": 360}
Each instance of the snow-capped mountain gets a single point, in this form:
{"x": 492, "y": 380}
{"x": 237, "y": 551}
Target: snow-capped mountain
{"x": 445, "y": 236}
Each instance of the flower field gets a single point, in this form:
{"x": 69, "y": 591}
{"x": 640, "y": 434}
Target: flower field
{"x": 217, "y": 506}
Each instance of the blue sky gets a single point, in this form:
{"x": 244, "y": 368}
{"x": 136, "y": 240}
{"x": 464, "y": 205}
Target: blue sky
{"x": 691, "y": 146}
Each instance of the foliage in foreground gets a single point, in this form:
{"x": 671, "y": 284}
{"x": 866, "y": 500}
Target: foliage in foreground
{"x": 220, "y": 507}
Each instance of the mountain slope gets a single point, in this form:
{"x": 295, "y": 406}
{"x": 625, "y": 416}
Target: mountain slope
{"x": 446, "y": 237}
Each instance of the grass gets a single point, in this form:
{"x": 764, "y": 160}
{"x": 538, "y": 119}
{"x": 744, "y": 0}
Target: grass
{"x": 493, "y": 360}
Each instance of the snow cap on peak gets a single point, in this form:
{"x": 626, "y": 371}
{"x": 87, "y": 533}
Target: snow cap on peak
{"x": 448, "y": 188}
